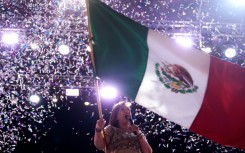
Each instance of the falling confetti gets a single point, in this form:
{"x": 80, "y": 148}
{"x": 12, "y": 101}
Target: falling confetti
{"x": 35, "y": 66}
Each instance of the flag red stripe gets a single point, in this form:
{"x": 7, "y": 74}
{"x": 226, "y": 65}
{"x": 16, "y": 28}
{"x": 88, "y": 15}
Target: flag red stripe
{"x": 222, "y": 114}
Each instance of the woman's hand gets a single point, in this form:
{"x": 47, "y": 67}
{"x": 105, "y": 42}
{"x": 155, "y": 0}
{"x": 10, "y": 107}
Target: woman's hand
{"x": 135, "y": 128}
{"x": 100, "y": 124}
{"x": 98, "y": 136}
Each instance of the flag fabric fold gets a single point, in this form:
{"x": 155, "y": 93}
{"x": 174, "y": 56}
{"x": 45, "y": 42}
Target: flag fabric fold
{"x": 184, "y": 85}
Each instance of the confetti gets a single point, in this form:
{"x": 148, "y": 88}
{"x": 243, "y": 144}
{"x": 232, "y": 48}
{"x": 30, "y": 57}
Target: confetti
{"x": 35, "y": 65}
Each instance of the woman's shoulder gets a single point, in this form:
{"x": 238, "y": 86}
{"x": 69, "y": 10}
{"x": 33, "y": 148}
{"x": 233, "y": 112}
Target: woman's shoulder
{"x": 111, "y": 128}
{"x": 108, "y": 127}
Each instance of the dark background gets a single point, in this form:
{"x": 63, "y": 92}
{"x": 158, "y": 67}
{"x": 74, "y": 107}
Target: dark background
{"x": 67, "y": 126}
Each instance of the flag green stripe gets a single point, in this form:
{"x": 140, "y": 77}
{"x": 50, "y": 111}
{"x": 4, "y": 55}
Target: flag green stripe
{"x": 124, "y": 42}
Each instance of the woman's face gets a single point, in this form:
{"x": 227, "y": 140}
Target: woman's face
{"x": 124, "y": 113}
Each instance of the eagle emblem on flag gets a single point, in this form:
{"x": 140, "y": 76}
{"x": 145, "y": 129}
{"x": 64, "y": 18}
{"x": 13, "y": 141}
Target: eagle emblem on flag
{"x": 175, "y": 77}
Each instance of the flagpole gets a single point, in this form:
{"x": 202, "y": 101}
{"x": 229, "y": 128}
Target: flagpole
{"x": 93, "y": 62}
{"x": 97, "y": 79}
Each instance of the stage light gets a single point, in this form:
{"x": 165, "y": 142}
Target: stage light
{"x": 64, "y": 49}
{"x": 184, "y": 41}
{"x": 34, "y": 99}
{"x": 230, "y": 52}
{"x": 86, "y": 103}
{"x": 238, "y": 2}
{"x": 206, "y": 50}
{"x": 34, "y": 46}
{"x": 72, "y": 92}
{"x": 128, "y": 104}
{"x": 206, "y": 43}
{"x": 72, "y": 4}
{"x": 10, "y": 38}
{"x": 108, "y": 92}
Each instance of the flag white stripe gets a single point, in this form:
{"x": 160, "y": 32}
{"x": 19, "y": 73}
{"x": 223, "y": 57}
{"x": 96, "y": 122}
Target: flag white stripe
{"x": 177, "y": 107}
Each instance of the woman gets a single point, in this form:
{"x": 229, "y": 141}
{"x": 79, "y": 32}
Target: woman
{"x": 121, "y": 135}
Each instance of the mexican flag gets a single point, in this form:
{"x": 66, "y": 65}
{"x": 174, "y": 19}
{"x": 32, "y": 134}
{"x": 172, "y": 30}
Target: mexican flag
{"x": 186, "y": 86}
